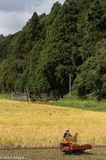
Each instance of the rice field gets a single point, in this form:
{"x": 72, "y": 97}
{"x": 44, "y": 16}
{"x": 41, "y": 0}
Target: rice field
{"x": 27, "y": 125}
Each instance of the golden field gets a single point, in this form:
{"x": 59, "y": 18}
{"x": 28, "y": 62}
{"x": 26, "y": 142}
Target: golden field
{"x": 29, "y": 125}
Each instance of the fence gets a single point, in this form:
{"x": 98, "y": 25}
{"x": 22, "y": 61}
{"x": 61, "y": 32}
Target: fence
{"x": 19, "y": 96}
{"x": 52, "y": 95}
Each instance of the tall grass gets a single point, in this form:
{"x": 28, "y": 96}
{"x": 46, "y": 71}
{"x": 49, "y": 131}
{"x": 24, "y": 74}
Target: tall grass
{"x": 34, "y": 125}
{"x": 5, "y": 96}
{"x": 74, "y": 102}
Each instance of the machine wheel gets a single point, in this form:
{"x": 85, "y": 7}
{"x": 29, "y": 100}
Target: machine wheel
{"x": 65, "y": 150}
{"x": 78, "y": 151}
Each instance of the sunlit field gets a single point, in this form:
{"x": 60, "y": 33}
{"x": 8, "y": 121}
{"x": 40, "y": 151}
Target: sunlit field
{"x": 30, "y": 125}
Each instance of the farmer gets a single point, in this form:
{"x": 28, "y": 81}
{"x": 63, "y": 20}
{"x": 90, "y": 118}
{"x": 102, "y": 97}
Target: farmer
{"x": 67, "y": 134}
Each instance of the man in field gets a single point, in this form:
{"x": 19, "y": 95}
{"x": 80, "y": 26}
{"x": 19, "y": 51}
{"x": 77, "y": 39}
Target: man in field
{"x": 67, "y": 134}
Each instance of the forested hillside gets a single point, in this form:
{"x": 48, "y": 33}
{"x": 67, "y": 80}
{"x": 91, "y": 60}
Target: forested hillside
{"x": 71, "y": 39}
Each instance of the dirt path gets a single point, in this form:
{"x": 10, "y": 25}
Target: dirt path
{"x": 51, "y": 154}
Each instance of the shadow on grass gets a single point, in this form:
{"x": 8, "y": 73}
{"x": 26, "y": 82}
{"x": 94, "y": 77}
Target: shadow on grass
{"x": 79, "y": 153}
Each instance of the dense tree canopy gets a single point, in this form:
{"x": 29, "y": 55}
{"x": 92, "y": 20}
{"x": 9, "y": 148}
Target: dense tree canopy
{"x": 71, "y": 39}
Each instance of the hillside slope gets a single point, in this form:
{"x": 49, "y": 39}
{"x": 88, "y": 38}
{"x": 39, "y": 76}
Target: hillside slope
{"x": 71, "y": 39}
{"x": 24, "y": 124}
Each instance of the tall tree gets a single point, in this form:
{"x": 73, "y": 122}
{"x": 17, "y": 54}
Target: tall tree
{"x": 94, "y": 29}
{"x": 58, "y": 56}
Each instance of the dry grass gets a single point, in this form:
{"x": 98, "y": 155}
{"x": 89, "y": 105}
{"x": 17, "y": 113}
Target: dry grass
{"x": 35, "y": 125}
{"x": 52, "y": 154}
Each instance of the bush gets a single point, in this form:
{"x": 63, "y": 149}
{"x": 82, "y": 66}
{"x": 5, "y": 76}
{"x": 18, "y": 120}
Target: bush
{"x": 92, "y": 78}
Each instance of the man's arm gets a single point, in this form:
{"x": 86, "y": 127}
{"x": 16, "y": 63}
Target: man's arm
{"x": 65, "y": 134}
{"x": 70, "y": 135}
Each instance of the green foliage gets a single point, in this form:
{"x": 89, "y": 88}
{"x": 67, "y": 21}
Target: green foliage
{"x": 21, "y": 81}
{"x": 93, "y": 29}
{"x": 5, "y": 96}
{"x": 57, "y": 57}
{"x": 37, "y": 85}
{"x": 4, "y": 43}
{"x": 92, "y": 77}
{"x": 85, "y": 104}
{"x": 71, "y": 39}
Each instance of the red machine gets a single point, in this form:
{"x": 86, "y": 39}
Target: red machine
{"x": 69, "y": 147}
